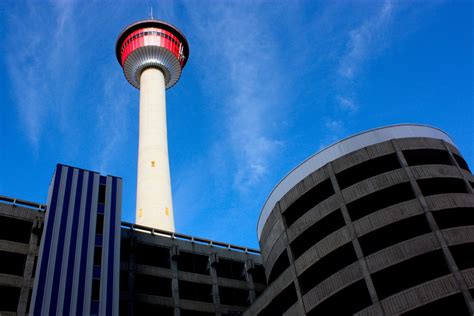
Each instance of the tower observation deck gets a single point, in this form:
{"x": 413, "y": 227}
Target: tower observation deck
{"x": 152, "y": 54}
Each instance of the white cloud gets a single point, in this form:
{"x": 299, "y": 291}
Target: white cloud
{"x": 39, "y": 51}
{"x": 346, "y": 103}
{"x": 363, "y": 41}
{"x": 249, "y": 72}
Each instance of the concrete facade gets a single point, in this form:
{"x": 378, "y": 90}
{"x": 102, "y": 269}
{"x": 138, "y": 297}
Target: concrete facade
{"x": 160, "y": 272}
{"x": 385, "y": 229}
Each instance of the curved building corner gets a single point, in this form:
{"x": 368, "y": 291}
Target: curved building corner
{"x": 379, "y": 223}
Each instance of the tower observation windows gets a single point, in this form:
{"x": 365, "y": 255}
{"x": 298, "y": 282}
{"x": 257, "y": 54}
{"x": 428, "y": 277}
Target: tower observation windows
{"x": 307, "y": 201}
{"x": 367, "y": 170}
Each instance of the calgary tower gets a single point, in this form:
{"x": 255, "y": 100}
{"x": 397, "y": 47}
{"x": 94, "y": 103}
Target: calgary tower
{"x": 152, "y": 54}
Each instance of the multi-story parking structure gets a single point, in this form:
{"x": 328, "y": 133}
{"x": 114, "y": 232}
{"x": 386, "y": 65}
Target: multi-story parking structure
{"x": 379, "y": 223}
{"x": 161, "y": 272}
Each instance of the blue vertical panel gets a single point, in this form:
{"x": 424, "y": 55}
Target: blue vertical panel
{"x": 40, "y": 285}
{"x": 73, "y": 244}
{"x": 65, "y": 267}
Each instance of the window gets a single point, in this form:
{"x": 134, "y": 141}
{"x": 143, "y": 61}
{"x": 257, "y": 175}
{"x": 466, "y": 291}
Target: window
{"x": 12, "y": 263}
{"x": 315, "y": 233}
{"x": 416, "y": 157}
{"x": 409, "y": 273}
{"x": 432, "y": 186}
{"x": 394, "y": 233}
{"x": 10, "y": 296}
{"x": 152, "y": 285}
{"x": 195, "y": 291}
{"x": 463, "y": 254}
{"x": 233, "y": 296}
{"x": 347, "y": 301}
{"x": 327, "y": 266}
{"x": 101, "y": 199}
{"x": 461, "y": 162}
{"x": 281, "y": 302}
{"x": 279, "y": 267}
{"x": 152, "y": 255}
{"x": 192, "y": 262}
{"x": 14, "y": 229}
{"x": 231, "y": 269}
{"x": 454, "y": 217}
{"x": 380, "y": 199}
{"x": 367, "y": 170}
{"x": 307, "y": 201}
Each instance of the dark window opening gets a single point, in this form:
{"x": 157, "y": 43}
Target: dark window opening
{"x": 281, "y": 302}
{"x": 461, "y": 162}
{"x": 101, "y": 199}
{"x": 123, "y": 281}
{"x": 307, "y": 201}
{"x": 472, "y": 184}
{"x": 258, "y": 274}
{"x": 152, "y": 285}
{"x": 416, "y": 157}
{"x": 9, "y": 298}
{"x": 233, "y": 296}
{"x": 281, "y": 264}
{"x": 95, "y": 289}
{"x": 99, "y": 226}
{"x": 394, "y": 233}
{"x": 463, "y": 254}
{"x": 35, "y": 263}
{"x": 434, "y": 186}
{"x": 12, "y": 263}
{"x": 153, "y": 309}
{"x": 192, "y": 262}
{"x": 327, "y": 266}
{"x": 367, "y": 169}
{"x": 13, "y": 229}
{"x": 97, "y": 256}
{"x": 195, "y": 291}
{"x": 231, "y": 269}
{"x": 409, "y": 273}
{"x": 124, "y": 250}
{"x": 454, "y": 217}
{"x": 152, "y": 255}
{"x": 319, "y": 230}
{"x": 347, "y": 301}
{"x": 451, "y": 305}
{"x": 380, "y": 199}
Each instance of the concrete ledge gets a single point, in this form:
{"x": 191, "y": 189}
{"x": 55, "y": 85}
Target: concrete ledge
{"x": 387, "y": 216}
{"x": 321, "y": 249}
{"x": 332, "y": 285}
{"x": 401, "y": 252}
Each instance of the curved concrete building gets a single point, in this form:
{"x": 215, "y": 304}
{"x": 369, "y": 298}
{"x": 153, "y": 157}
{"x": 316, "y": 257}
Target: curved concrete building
{"x": 380, "y": 223}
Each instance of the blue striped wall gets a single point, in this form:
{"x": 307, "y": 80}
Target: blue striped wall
{"x": 65, "y": 271}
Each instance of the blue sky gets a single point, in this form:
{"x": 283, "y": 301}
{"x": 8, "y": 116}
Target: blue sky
{"x": 268, "y": 83}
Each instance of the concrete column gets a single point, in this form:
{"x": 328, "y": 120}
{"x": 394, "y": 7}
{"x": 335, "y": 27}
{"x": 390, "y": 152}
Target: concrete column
{"x": 154, "y": 201}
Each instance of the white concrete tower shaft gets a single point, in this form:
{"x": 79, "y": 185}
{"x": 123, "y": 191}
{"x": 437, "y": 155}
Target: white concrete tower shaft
{"x": 154, "y": 198}
{"x": 152, "y": 54}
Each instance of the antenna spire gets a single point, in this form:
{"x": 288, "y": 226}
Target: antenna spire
{"x": 151, "y": 12}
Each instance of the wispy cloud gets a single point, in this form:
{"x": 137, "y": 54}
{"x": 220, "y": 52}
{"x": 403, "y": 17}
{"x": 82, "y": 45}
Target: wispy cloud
{"x": 364, "y": 41}
{"x": 35, "y": 60}
{"x": 252, "y": 98}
